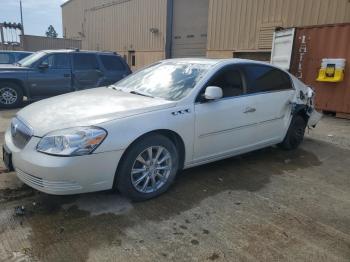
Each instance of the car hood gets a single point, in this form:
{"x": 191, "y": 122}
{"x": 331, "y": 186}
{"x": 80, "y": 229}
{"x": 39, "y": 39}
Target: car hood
{"x": 10, "y": 67}
{"x": 85, "y": 108}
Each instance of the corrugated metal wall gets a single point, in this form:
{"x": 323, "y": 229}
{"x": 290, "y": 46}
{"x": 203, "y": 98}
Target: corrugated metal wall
{"x": 36, "y": 43}
{"x": 126, "y": 26}
{"x": 73, "y": 19}
{"x": 234, "y": 25}
{"x": 243, "y": 25}
{"x": 121, "y": 26}
{"x": 73, "y": 16}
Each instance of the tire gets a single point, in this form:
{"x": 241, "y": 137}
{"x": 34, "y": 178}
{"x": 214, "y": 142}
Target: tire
{"x": 11, "y": 95}
{"x": 138, "y": 178}
{"x": 295, "y": 134}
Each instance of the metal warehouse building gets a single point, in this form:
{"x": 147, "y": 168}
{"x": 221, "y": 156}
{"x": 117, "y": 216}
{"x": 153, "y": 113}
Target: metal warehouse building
{"x": 144, "y": 31}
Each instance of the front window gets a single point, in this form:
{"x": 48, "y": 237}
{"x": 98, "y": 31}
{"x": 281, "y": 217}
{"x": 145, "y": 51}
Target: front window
{"x": 168, "y": 80}
{"x": 30, "y": 60}
{"x": 57, "y": 61}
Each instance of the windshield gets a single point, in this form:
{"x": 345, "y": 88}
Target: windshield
{"x": 29, "y": 60}
{"x": 168, "y": 80}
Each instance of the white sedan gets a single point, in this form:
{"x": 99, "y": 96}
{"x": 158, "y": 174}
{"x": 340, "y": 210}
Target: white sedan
{"x": 136, "y": 135}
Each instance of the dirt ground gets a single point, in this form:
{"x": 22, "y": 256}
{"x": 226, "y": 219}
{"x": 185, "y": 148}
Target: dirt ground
{"x": 269, "y": 205}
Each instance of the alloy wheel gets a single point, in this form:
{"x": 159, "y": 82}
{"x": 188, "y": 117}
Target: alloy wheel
{"x": 151, "y": 169}
{"x": 8, "y": 96}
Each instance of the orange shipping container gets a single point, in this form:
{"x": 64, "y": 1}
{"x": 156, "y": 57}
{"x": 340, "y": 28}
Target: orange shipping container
{"x": 311, "y": 45}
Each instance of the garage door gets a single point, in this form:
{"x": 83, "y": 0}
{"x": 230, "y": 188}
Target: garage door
{"x": 190, "y": 26}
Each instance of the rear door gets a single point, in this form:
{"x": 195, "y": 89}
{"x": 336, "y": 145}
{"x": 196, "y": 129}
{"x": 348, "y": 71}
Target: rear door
{"x": 53, "y": 80}
{"x": 271, "y": 91}
{"x": 86, "y": 71}
{"x": 115, "y": 69}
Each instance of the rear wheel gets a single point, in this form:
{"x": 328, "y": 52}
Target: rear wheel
{"x": 11, "y": 95}
{"x": 295, "y": 134}
{"x": 148, "y": 168}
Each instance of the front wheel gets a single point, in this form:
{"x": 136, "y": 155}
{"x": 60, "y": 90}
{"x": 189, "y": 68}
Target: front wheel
{"x": 148, "y": 168}
{"x": 11, "y": 95}
{"x": 295, "y": 134}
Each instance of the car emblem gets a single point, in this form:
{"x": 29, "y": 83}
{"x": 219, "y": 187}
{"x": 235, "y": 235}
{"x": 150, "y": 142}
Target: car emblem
{"x": 181, "y": 112}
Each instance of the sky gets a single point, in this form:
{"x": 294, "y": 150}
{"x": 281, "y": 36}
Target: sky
{"x": 37, "y": 15}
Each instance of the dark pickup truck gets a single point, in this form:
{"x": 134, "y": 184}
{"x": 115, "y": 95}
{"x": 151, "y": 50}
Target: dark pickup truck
{"x": 54, "y": 72}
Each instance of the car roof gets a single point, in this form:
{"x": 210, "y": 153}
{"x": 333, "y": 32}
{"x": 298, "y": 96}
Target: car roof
{"x": 79, "y": 51}
{"x": 215, "y": 61}
{"x": 13, "y": 51}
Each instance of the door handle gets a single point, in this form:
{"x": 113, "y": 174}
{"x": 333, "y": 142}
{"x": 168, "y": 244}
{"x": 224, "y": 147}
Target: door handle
{"x": 249, "y": 110}
{"x": 100, "y": 73}
{"x": 66, "y": 75}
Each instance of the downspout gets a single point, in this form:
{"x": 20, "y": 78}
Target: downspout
{"x": 169, "y": 28}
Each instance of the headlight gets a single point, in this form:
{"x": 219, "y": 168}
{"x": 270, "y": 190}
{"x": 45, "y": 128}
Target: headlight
{"x": 72, "y": 142}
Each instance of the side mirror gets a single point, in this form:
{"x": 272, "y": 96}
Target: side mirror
{"x": 43, "y": 66}
{"x": 213, "y": 93}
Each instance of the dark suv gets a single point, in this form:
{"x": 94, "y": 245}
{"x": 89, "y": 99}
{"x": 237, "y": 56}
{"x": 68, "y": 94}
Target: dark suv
{"x": 54, "y": 72}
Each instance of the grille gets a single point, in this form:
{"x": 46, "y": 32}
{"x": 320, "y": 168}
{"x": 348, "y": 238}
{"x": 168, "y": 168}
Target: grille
{"x": 20, "y": 132}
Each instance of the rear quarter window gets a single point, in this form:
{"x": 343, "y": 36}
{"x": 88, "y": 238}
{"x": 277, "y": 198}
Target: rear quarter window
{"x": 112, "y": 63}
{"x": 261, "y": 78}
{"x": 6, "y": 58}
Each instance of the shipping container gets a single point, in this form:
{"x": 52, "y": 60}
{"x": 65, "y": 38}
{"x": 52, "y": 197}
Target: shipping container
{"x": 310, "y": 45}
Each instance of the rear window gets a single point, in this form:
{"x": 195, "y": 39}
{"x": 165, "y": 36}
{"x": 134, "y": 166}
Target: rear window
{"x": 263, "y": 78}
{"x": 6, "y": 58}
{"x": 112, "y": 63}
{"x": 85, "y": 62}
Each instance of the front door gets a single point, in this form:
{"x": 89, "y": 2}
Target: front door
{"x": 54, "y": 79}
{"x": 224, "y": 126}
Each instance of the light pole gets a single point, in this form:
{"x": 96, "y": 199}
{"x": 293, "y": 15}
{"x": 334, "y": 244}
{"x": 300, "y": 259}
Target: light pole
{"x": 20, "y": 5}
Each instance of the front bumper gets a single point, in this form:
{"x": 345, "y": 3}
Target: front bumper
{"x": 63, "y": 175}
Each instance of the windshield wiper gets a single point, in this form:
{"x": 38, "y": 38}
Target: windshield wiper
{"x": 140, "y": 94}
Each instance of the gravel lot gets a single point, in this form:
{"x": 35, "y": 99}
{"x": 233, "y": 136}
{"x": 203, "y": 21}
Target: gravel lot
{"x": 269, "y": 205}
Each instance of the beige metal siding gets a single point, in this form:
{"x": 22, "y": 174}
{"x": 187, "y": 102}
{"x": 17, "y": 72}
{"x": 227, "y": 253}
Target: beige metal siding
{"x": 119, "y": 25}
{"x": 72, "y": 19}
{"x": 73, "y": 16}
{"x": 126, "y": 26}
{"x": 36, "y": 43}
{"x": 242, "y": 25}
{"x": 116, "y": 25}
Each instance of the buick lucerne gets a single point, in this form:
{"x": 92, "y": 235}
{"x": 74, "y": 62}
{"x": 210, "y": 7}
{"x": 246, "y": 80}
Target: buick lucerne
{"x": 137, "y": 134}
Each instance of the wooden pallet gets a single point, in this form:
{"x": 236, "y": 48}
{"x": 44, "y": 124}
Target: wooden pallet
{"x": 342, "y": 115}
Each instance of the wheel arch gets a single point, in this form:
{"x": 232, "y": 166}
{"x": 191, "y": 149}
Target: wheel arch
{"x": 17, "y": 82}
{"x": 170, "y": 134}
{"x": 301, "y": 110}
